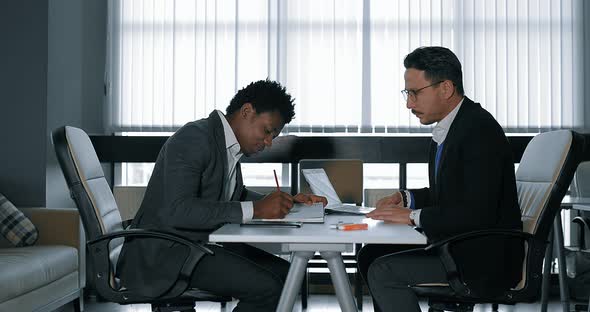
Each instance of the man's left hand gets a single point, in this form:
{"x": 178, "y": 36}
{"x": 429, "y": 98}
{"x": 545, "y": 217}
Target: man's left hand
{"x": 309, "y": 199}
{"x": 391, "y": 214}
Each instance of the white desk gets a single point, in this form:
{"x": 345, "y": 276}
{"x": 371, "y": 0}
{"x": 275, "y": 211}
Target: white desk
{"x": 330, "y": 243}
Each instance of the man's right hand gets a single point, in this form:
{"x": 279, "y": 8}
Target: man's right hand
{"x": 392, "y": 200}
{"x": 275, "y": 205}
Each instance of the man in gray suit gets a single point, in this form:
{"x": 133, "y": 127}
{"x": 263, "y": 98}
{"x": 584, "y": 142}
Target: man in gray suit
{"x": 197, "y": 186}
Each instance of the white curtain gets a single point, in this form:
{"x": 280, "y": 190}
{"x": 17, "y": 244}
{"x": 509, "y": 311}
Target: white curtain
{"x": 173, "y": 61}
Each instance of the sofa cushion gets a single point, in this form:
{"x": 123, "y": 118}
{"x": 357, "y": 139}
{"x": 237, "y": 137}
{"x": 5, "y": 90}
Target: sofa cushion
{"x": 17, "y": 228}
{"x": 28, "y": 268}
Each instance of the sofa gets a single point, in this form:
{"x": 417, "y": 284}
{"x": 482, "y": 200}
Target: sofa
{"x": 49, "y": 274}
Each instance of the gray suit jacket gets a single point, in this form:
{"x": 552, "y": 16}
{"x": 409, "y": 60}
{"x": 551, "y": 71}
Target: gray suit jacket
{"x": 185, "y": 193}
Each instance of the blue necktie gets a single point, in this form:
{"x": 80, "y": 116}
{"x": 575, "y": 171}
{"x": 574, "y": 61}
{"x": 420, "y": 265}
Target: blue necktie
{"x": 437, "y": 159}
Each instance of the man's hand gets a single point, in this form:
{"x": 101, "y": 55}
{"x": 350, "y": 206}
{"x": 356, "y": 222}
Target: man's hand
{"x": 392, "y": 200}
{"x": 275, "y": 205}
{"x": 309, "y": 199}
{"x": 391, "y": 215}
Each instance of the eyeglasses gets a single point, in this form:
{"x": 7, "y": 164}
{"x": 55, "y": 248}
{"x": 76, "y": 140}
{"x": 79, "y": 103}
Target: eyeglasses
{"x": 413, "y": 94}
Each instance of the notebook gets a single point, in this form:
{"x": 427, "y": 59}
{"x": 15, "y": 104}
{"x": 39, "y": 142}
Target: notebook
{"x": 300, "y": 213}
{"x": 320, "y": 185}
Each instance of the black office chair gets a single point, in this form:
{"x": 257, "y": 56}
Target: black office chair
{"x": 346, "y": 176}
{"x": 105, "y": 232}
{"x": 543, "y": 177}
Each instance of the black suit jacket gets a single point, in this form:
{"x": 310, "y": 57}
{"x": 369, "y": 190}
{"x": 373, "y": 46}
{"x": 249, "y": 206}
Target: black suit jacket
{"x": 185, "y": 193}
{"x": 475, "y": 189}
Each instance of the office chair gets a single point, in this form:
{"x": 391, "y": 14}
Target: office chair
{"x": 346, "y": 175}
{"x": 105, "y": 232}
{"x": 542, "y": 179}
{"x": 580, "y": 188}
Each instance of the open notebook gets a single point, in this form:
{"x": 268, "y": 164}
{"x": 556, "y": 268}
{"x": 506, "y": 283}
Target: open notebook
{"x": 320, "y": 185}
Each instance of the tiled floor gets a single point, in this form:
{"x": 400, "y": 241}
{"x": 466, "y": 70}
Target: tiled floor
{"x": 317, "y": 303}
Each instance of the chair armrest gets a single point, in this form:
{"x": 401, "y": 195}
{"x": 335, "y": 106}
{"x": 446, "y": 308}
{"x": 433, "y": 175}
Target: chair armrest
{"x": 481, "y": 233}
{"x": 99, "y": 252}
{"x": 56, "y": 226}
{"x": 457, "y": 283}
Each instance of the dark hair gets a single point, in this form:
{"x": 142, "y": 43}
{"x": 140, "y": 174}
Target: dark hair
{"x": 438, "y": 63}
{"x": 265, "y": 96}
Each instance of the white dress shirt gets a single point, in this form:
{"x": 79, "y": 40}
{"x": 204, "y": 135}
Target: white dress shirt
{"x": 233, "y": 156}
{"x": 439, "y": 134}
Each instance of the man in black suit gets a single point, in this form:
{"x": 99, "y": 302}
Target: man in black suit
{"x": 472, "y": 187}
{"x": 197, "y": 186}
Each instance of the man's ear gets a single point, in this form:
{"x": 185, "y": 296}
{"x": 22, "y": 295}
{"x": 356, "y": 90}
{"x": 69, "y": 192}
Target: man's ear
{"x": 448, "y": 89}
{"x": 246, "y": 110}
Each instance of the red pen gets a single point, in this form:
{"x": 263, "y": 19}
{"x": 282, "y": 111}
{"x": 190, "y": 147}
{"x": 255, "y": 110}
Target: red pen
{"x": 277, "y": 180}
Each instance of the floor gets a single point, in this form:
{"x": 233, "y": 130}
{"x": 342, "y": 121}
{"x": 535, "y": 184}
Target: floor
{"x": 317, "y": 303}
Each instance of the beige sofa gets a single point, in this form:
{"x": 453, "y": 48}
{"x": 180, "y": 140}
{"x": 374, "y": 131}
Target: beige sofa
{"x": 49, "y": 274}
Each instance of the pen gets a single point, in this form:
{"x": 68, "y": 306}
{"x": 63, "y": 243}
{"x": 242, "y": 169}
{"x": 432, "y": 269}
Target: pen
{"x": 350, "y": 226}
{"x": 276, "y": 180}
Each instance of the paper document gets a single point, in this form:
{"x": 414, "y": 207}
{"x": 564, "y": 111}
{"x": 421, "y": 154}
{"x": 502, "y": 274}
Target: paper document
{"x": 302, "y": 213}
{"x": 320, "y": 185}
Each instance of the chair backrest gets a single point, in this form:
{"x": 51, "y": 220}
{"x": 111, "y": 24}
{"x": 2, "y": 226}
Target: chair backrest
{"x": 545, "y": 172}
{"x": 581, "y": 183}
{"x": 544, "y": 175}
{"x": 88, "y": 187}
{"x": 346, "y": 175}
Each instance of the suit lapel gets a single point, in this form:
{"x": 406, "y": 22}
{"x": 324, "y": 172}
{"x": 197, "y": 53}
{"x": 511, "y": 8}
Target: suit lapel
{"x": 216, "y": 128}
{"x": 239, "y": 183}
{"x": 449, "y": 142}
{"x": 431, "y": 165}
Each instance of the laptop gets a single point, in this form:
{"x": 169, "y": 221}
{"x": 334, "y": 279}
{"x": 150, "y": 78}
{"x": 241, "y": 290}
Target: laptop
{"x": 320, "y": 185}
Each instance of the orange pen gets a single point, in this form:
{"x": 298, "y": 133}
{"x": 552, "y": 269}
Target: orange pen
{"x": 351, "y": 226}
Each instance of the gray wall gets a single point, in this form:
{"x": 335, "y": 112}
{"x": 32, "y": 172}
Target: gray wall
{"x": 52, "y": 56}
{"x": 76, "y": 60}
{"x": 23, "y": 96}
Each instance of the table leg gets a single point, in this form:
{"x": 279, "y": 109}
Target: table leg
{"x": 340, "y": 280}
{"x": 294, "y": 278}
{"x": 561, "y": 265}
{"x": 547, "y": 273}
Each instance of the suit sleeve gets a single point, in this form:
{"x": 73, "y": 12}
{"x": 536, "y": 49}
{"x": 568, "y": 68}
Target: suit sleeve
{"x": 421, "y": 197}
{"x": 477, "y": 186}
{"x": 250, "y": 195}
{"x": 184, "y": 162}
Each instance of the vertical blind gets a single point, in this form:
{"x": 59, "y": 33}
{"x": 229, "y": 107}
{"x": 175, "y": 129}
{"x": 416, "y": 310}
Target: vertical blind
{"x": 173, "y": 61}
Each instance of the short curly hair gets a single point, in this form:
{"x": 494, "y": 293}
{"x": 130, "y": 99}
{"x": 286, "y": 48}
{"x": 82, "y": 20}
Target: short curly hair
{"x": 265, "y": 96}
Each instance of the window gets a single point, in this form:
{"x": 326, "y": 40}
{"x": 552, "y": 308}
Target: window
{"x": 173, "y": 61}
{"x": 170, "y": 62}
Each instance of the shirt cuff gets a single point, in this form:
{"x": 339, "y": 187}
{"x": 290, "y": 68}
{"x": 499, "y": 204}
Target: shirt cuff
{"x": 247, "y": 211}
{"x": 417, "y": 217}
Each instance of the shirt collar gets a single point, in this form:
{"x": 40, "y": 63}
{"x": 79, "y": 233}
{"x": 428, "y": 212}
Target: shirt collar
{"x": 231, "y": 142}
{"x": 439, "y": 133}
